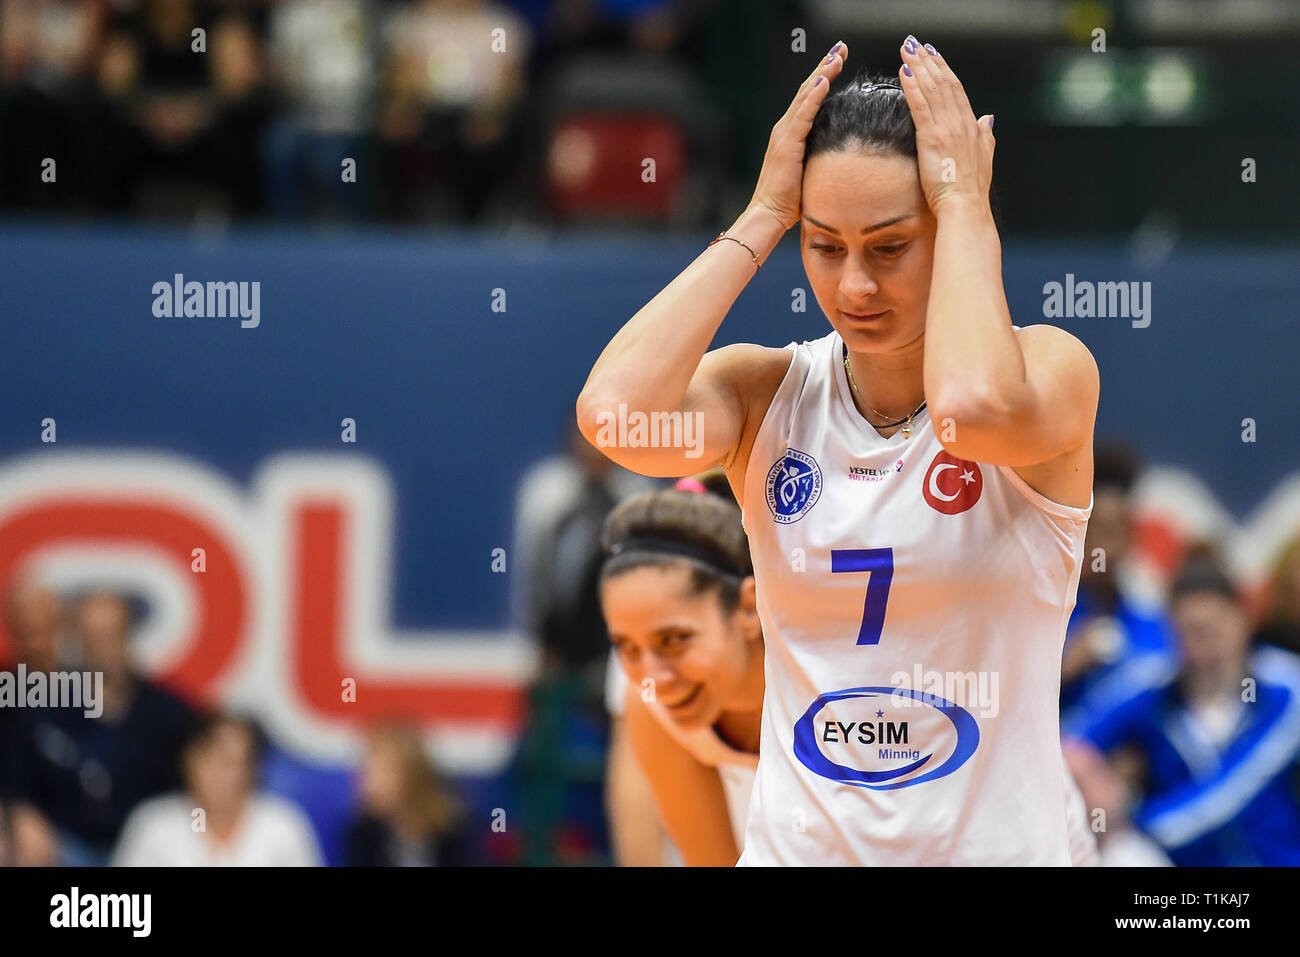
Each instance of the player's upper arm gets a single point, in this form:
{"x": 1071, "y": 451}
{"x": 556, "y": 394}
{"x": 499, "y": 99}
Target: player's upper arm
{"x": 689, "y": 794}
{"x": 704, "y": 431}
{"x": 636, "y": 832}
{"x": 1050, "y": 413}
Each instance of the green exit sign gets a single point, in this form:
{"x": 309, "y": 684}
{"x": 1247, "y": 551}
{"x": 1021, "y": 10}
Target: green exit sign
{"x": 1149, "y": 87}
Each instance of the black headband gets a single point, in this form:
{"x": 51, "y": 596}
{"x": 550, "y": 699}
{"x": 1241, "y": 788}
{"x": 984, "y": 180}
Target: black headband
{"x": 708, "y": 556}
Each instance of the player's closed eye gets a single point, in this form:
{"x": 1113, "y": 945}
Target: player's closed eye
{"x": 675, "y": 641}
{"x": 893, "y": 250}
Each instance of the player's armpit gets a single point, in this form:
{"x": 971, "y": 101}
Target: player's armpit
{"x": 703, "y": 431}
{"x": 1026, "y": 423}
{"x": 690, "y": 795}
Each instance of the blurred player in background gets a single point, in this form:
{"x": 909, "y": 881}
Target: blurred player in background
{"x": 678, "y": 595}
{"x": 560, "y": 509}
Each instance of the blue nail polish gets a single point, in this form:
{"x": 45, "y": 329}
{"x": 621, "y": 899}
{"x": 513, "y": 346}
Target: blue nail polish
{"x": 909, "y": 46}
{"x": 912, "y": 39}
{"x": 907, "y": 69}
{"x": 836, "y": 49}
{"x": 931, "y": 50}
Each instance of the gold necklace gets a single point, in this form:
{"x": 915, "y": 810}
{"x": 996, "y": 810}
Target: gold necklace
{"x": 905, "y": 422}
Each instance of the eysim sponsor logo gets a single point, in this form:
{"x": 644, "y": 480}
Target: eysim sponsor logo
{"x": 133, "y": 911}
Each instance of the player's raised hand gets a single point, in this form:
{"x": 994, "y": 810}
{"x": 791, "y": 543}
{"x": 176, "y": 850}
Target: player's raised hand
{"x": 780, "y": 183}
{"x": 954, "y": 151}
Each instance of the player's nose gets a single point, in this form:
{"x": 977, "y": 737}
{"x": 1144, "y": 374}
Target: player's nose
{"x": 856, "y": 281}
{"x": 658, "y": 672}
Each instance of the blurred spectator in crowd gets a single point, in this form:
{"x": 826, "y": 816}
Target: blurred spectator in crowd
{"x": 174, "y": 130}
{"x": 569, "y": 27}
{"x": 432, "y": 99}
{"x": 1109, "y": 626}
{"x": 180, "y": 115}
{"x": 33, "y": 617}
{"x": 109, "y": 130}
{"x": 1109, "y": 799}
{"x": 1217, "y": 740}
{"x": 1281, "y": 624}
{"x": 76, "y": 778}
{"x": 451, "y": 119}
{"x": 222, "y": 818}
{"x": 242, "y": 112}
{"x": 47, "y": 50}
{"x": 324, "y": 54}
{"x": 560, "y": 512}
{"x": 175, "y": 108}
{"x": 408, "y": 817}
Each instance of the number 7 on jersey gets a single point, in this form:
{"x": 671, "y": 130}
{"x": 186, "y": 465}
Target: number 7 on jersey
{"x": 879, "y": 562}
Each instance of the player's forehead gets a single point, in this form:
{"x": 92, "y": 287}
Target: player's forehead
{"x": 848, "y": 191}
{"x": 656, "y": 597}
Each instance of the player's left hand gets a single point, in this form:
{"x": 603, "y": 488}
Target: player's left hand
{"x": 954, "y": 151}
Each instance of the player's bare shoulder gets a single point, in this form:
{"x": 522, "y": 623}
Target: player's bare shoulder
{"x": 755, "y": 373}
{"x": 1059, "y": 346}
{"x": 1067, "y": 477}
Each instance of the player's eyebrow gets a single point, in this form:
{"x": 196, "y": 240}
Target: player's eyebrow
{"x": 866, "y": 229}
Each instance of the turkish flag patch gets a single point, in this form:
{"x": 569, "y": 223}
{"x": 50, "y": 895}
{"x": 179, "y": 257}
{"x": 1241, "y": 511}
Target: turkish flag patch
{"x": 952, "y": 485}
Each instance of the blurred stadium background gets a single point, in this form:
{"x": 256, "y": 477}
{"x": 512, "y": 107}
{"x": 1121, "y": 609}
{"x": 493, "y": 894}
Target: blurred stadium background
{"x": 397, "y": 521}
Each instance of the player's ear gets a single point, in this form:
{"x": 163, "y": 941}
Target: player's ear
{"x": 747, "y": 609}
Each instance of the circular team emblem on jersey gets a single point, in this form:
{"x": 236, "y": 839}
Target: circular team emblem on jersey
{"x": 794, "y": 484}
{"x": 952, "y": 485}
{"x": 884, "y": 738}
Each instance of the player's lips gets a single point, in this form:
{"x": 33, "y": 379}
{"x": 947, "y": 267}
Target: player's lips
{"x": 687, "y": 701}
{"x": 862, "y": 317}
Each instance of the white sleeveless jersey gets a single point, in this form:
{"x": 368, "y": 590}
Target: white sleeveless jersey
{"x": 735, "y": 768}
{"x": 914, "y": 608}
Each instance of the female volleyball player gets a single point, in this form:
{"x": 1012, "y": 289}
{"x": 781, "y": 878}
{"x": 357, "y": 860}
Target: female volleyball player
{"x": 677, "y": 590}
{"x": 915, "y": 485}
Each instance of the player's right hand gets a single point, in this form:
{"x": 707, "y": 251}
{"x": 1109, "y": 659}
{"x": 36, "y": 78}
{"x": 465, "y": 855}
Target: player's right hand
{"x": 780, "y": 183}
